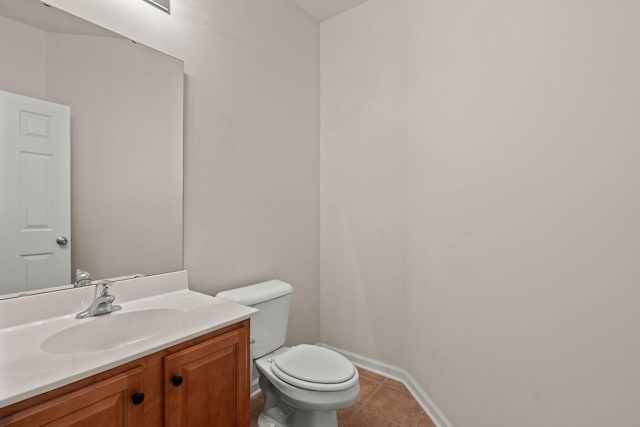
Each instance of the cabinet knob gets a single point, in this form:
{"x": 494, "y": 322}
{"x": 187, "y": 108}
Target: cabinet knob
{"x": 137, "y": 398}
{"x": 176, "y": 380}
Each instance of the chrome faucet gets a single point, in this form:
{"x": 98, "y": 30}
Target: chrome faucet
{"x": 102, "y": 302}
{"x": 83, "y": 278}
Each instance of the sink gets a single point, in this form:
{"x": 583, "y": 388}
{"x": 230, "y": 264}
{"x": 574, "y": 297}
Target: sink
{"x": 113, "y": 330}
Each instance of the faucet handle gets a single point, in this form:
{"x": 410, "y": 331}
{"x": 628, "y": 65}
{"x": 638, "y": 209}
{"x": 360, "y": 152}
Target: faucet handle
{"x": 83, "y": 278}
{"x": 102, "y": 288}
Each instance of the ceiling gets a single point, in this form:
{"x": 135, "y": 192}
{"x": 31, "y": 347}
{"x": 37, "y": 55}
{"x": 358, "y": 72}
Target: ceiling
{"x": 325, "y": 9}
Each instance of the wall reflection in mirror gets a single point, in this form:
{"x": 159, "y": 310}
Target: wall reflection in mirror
{"x": 90, "y": 152}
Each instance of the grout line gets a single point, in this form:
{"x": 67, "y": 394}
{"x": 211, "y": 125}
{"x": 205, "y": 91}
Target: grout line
{"x": 371, "y": 395}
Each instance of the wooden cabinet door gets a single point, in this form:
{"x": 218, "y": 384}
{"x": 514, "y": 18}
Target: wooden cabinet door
{"x": 107, "y": 403}
{"x": 208, "y": 384}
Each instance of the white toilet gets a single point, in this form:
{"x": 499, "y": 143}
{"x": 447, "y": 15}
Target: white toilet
{"x": 303, "y": 385}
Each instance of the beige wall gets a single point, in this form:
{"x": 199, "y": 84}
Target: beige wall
{"x": 364, "y": 175}
{"x": 25, "y": 73}
{"x": 251, "y": 138}
{"x": 520, "y": 189}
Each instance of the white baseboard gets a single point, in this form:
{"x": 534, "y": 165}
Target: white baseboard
{"x": 400, "y": 375}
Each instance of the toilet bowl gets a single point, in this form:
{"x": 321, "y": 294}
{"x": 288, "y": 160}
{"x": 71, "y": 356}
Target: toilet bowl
{"x": 303, "y": 385}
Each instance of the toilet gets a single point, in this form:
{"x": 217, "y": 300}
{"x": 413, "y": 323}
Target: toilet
{"x": 303, "y": 385}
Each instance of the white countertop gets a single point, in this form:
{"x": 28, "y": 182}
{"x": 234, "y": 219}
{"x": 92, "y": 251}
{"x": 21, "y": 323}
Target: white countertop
{"x": 27, "y": 370}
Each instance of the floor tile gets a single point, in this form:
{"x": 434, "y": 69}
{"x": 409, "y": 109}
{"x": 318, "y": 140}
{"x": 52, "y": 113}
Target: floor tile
{"x": 346, "y": 414}
{"x": 371, "y": 376}
{"x": 367, "y": 388}
{"x": 362, "y": 418}
{"x": 394, "y": 405}
{"x": 424, "y": 421}
{"x": 396, "y": 385}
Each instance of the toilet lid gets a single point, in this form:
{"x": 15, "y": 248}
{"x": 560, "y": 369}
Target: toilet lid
{"x": 315, "y": 368}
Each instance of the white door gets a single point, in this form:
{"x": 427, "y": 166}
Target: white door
{"x": 35, "y": 211}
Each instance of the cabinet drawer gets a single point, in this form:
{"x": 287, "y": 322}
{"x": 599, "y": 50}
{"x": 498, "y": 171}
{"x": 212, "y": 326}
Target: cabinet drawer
{"x": 104, "y": 404}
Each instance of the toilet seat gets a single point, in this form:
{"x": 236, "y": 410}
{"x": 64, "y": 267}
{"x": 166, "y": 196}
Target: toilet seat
{"x": 314, "y": 368}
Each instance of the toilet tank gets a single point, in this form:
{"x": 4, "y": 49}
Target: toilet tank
{"x": 269, "y": 325}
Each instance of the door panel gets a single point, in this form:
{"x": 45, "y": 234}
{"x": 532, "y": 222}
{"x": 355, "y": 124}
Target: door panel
{"x": 214, "y": 388}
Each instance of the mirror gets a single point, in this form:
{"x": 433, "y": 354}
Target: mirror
{"x": 124, "y": 180}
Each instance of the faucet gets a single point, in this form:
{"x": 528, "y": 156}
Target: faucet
{"x": 83, "y": 278}
{"x": 102, "y": 302}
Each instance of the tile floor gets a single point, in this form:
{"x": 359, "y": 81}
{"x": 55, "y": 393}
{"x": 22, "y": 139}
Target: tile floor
{"x": 382, "y": 403}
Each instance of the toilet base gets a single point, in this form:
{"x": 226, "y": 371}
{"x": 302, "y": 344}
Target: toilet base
{"x": 266, "y": 421}
{"x": 303, "y": 418}
{"x": 277, "y": 413}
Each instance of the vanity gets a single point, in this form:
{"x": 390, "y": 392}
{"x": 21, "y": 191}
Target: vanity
{"x": 170, "y": 356}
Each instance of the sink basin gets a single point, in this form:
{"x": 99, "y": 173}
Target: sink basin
{"x": 112, "y": 330}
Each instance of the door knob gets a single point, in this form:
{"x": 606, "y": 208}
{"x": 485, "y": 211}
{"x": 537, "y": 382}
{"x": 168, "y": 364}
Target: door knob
{"x": 62, "y": 241}
{"x": 176, "y": 380}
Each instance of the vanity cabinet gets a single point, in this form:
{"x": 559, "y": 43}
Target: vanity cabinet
{"x": 202, "y": 374}
{"x": 201, "y": 382}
